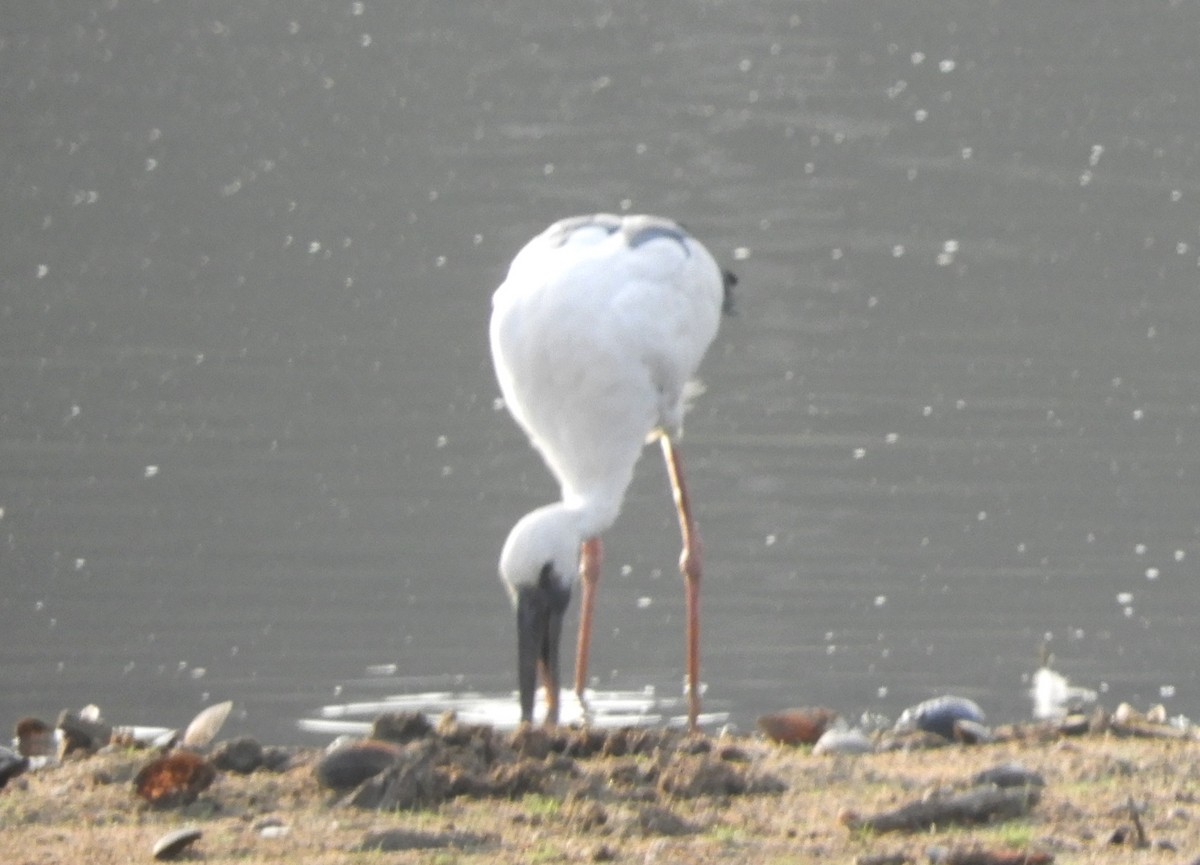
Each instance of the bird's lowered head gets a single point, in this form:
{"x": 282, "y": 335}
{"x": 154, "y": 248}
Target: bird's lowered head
{"x": 539, "y": 564}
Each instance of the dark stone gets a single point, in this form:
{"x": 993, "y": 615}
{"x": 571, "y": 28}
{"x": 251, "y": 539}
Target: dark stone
{"x": 351, "y": 765}
{"x": 242, "y": 755}
{"x": 401, "y": 727}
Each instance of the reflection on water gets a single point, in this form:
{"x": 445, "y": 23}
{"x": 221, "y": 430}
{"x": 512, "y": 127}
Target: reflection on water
{"x": 248, "y": 439}
{"x": 644, "y": 708}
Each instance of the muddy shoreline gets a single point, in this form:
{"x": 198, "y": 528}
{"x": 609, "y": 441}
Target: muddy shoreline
{"x": 467, "y": 793}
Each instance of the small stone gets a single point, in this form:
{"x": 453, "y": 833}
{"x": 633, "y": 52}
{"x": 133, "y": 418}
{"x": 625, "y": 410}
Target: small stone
{"x": 12, "y": 764}
{"x": 939, "y": 714}
{"x": 801, "y": 726}
{"x": 174, "y": 780}
{"x": 35, "y": 738}
{"x": 401, "y": 727}
{"x": 1009, "y": 775}
{"x": 242, "y": 755}
{"x": 207, "y": 723}
{"x": 173, "y": 843}
{"x": 844, "y": 742}
{"x": 350, "y": 765}
{"x": 82, "y": 731}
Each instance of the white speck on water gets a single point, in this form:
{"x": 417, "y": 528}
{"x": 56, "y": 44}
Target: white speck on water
{"x": 440, "y": 442}
{"x": 440, "y": 261}
{"x": 1181, "y": 248}
{"x": 1124, "y": 598}
{"x": 880, "y": 600}
{"x": 927, "y": 411}
{"x": 968, "y": 152}
{"x": 946, "y": 66}
{"x": 891, "y": 438}
{"x": 626, "y": 570}
{"x": 917, "y": 58}
{"x": 314, "y": 247}
{"x": 981, "y": 516}
{"x": 769, "y": 540}
{"x": 741, "y": 253}
{"x": 1139, "y": 550}
{"x": 1179, "y": 554}
{"x": 1097, "y": 152}
{"x": 198, "y": 672}
{"x": 882, "y": 691}
{"x": 232, "y": 187}
{"x": 836, "y": 253}
{"x": 498, "y": 404}
{"x": 365, "y": 40}
{"x": 1085, "y": 178}
{"x": 1176, "y": 195}
{"x": 38, "y": 606}
{"x": 80, "y": 564}
{"x": 1166, "y": 692}
{"x": 644, "y": 602}
{"x": 42, "y": 270}
{"x": 151, "y": 163}
{"x": 920, "y": 115}
{"x": 149, "y": 471}
{"x": 898, "y": 250}
{"x": 1152, "y": 573}
{"x": 859, "y": 453}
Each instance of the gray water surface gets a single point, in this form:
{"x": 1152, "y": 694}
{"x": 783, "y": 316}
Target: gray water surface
{"x": 249, "y": 441}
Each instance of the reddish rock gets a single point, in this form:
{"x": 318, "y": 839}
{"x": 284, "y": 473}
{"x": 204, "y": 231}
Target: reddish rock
{"x": 802, "y": 726}
{"x": 174, "y": 780}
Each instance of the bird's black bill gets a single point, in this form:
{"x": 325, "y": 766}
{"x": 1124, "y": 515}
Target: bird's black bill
{"x": 540, "y": 611}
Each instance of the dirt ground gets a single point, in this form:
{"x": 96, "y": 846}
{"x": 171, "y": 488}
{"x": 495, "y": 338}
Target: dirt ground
{"x": 471, "y": 795}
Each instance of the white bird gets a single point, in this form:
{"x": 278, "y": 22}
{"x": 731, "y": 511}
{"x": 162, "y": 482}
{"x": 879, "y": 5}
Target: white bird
{"x": 596, "y": 330}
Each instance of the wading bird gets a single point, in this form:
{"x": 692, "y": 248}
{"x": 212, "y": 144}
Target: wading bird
{"x": 595, "y": 331}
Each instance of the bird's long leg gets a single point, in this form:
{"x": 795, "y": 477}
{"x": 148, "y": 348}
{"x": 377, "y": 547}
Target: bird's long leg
{"x": 690, "y": 567}
{"x": 590, "y": 556}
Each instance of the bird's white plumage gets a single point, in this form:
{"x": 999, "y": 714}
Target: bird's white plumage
{"x": 595, "y": 332}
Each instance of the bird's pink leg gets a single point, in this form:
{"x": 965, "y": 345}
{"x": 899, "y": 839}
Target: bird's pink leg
{"x": 690, "y": 567}
{"x": 590, "y": 556}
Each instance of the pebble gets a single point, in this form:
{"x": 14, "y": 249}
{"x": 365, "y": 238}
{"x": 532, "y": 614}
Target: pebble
{"x": 173, "y": 843}
{"x": 939, "y": 714}
{"x": 844, "y": 742}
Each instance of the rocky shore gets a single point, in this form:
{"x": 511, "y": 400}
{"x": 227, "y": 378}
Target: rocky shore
{"x": 1099, "y": 788}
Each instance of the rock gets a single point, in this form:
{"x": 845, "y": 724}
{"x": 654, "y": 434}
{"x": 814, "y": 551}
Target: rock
{"x": 938, "y": 715}
{"x": 12, "y": 764}
{"x": 983, "y": 804}
{"x": 35, "y": 738}
{"x": 174, "y": 780}
{"x": 173, "y": 843}
{"x": 972, "y": 732}
{"x": 411, "y": 782}
{"x": 82, "y": 731}
{"x": 350, "y": 765}
{"x": 844, "y": 742}
{"x": 401, "y": 727}
{"x": 801, "y": 726}
{"x": 242, "y": 755}
{"x": 1009, "y": 775}
{"x": 206, "y": 725}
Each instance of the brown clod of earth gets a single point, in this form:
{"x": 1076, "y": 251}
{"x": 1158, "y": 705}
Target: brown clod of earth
{"x": 800, "y": 726}
{"x": 174, "y": 780}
